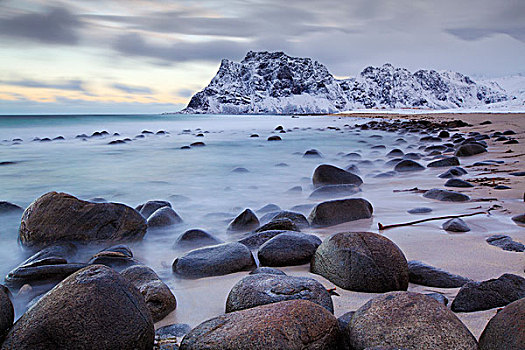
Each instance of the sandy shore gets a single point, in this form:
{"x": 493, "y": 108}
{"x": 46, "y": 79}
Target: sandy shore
{"x": 465, "y": 254}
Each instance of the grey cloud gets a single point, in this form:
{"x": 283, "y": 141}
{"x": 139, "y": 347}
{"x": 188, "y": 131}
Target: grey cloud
{"x": 73, "y": 85}
{"x": 140, "y": 90}
{"x": 55, "y": 26}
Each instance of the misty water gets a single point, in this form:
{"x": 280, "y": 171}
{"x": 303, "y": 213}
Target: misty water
{"x": 199, "y": 182}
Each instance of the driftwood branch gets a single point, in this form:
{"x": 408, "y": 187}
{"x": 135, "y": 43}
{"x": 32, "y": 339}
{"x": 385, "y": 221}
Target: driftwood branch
{"x": 386, "y": 227}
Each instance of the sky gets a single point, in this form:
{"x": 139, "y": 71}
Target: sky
{"x": 151, "y": 56}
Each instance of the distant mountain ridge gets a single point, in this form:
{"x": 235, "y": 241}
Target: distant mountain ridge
{"x": 275, "y": 83}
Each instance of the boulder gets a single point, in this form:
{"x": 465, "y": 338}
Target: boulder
{"x": 458, "y": 183}
{"x": 195, "y": 238}
{"x": 505, "y": 331}
{"x": 506, "y": 243}
{"x": 338, "y": 211}
{"x": 298, "y": 218}
{"x": 332, "y": 191}
{"x": 453, "y": 172}
{"x": 519, "y": 219}
{"x": 449, "y": 161}
{"x": 330, "y": 175}
{"x": 426, "y": 275}
{"x": 419, "y": 210}
{"x": 469, "y": 150}
{"x": 268, "y": 208}
{"x": 255, "y": 240}
{"x": 9, "y": 208}
{"x": 58, "y": 217}
{"x": 362, "y": 262}
{"x": 261, "y": 289}
{"x": 216, "y": 260}
{"x": 94, "y": 308}
{"x": 245, "y": 221}
{"x": 158, "y": 296}
{"x": 291, "y": 324}
{"x": 117, "y": 257}
{"x": 274, "y": 138}
{"x": 477, "y": 296}
{"x": 279, "y": 224}
{"x": 7, "y": 312}
{"x": 163, "y": 217}
{"x": 455, "y": 225}
{"x": 407, "y": 320}
{"x": 150, "y": 207}
{"x": 408, "y": 165}
{"x": 312, "y": 153}
{"x": 446, "y": 195}
{"x": 268, "y": 270}
{"x": 288, "y": 249}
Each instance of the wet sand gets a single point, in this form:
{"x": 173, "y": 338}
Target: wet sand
{"x": 466, "y": 254}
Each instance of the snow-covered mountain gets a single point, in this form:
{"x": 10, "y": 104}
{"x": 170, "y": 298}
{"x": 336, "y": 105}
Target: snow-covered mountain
{"x": 273, "y": 82}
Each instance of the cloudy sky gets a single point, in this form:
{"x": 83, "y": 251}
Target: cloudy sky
{"x": 150, "y": 56}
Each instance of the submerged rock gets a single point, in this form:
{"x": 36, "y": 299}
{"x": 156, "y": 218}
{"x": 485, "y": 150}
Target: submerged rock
{"x": 362, "y": 262}
{"x": 117, "y": 257}
{"x": 216, "y": 260}
{"x": 299, "y": 219}
{"x": 476, "y": 296}
{"x": 288, "y": 249}
{"x": 408, "y": 165}
{"x": 407, "y": 320}
{"x": 195, "y": 238}
{"x": 8, "y": 208}
{"x": 339, "y": 211}
{"x": 458, "y": 183}
{"x": 505, "y": 331}
{"x": 330, "y": 175}
{"x": 292, "y": 324}
{"x": 163, "y": 217}
{"x": 245, "y": 221}
{"x": 150, "y": 207}
{"x": 469, "y": 150}
{"x": 453, "y": 172}
{"x": 331, "y": 191}
{"x": 284, "y": 224}
{"x": 426, "y": 275}
{"x": 261, "y": 289}
{"x": 57, "y": 217}
{"x": 95, "y": 308}
{"x": 446, "y": 195}
{"x": 450, "y": 161}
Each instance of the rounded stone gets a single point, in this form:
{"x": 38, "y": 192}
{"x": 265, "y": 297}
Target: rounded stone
{"x": 338, "y": 211}
{"x": 163, "y": 217}
{"x": 288, "y": 249}
{"x": 505, "y": 331}
{"x": 7, "y": 313}
{"x": 330, "y": 175}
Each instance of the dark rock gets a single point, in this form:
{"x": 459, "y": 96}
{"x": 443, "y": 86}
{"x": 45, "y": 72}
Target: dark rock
{"x": 505, "y": 331}
{"x": 288, "y": 249}
{"x": 519, "y": 219}
{"x": 7, "y": 313}
{"x": 426, "y": 275}
{"x": 450, "y": 161}
{"x": 268, "y": 208}
{"x": 421, "y": 210}
{"x": 195, "y": 238}
{"x": 506, "y": 243}
{"x": 477, "y": 296}
{"x": 384, "y": 175}
{"x": 172, "y": 331}
{"x": 408, "y": 320}
{"x": 185, "y": 147}
{"x": 446, "y": 195}
{"x": 412, "y": 156}
{"x": 262, "y": 289}
{"x": 254, "y": 135}
{"x": 274, "y": 138}
{"x": 339, "y": 211}
{"x": 255, "y": 240}
{"x": 150, "y": 207}
{"x": 8, "y": 208}
{"x": 444, "y": 134}
{"x": 469, "y": 150}
{"x": 439, "y": 297}
{"x": 245, "y": 221}
{"x": 267, "y": 270}
{"x": 453, "y": 172}
{"x": 240, "y": 170}
{"x": 158, "y": 296}
{"x": 455, "y": 225}
{"x": 486, "y": 122}
{"x": 511, "y": 142}
{"x": 163, "y": 217}
{"x": 330, "y": 175}
{"x": 95, "y": 308}
{"x": 361, "y": 261}
{"x": 352, "y": 168}
{"x": 352, "y": 156}
{"x": 298, "y": 218}
{"x": 291, "y": 324}
{"x": 407, "y": 165}
{"x": 395, "y": 153}
{"x": 197, "y": 144}
{"x": 509, "y": 132}
{"x": 216, "y": 260}
{"x": 117, "y": 257}
{"x": 458, "y": 183}
{"x": 279, "y": 224}
{"x": 312, "y": 153}
{"x": 502, "y": 187}
{"x": 331, "y": 191}
{"x": 518, "y": 173}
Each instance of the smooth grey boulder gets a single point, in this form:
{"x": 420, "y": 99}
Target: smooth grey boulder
{"x": 408, "y": 165}
{"x": 150, "y": 207}
{"x": 216, "y": 260}
{"x": 455, "y": 171}
{"x": 330, "y": 175}
{"x": 298, "y": 218}
{"x": 426, "y": 275}
{"x": 505, "y": 331}
{"x": 94, "y": 308}
{"x": 454, "y": 182}
{"x": 446, "y": 195}
{"x": 506, "y": 243}
{"x": 261, "y": 289}
{"x": 157, "y": 295}
{"x": 288, "y": 249}
{"x": 362, "y": 262}
{"x": 407, "y": 320}
{"x": 255, "y": 240}
{"x": 455, "y": 225}
{"x": 477, "y": 296}
{"x": 469, "y": 150}
{"x": 7, "y": 312}
{"x": 163, "y": 217}
{"x": 60, "y": 217}
{"x": 338, "y": 211}
{"x": 449, "y": 161}
{"x": 333, "y": 191}
{"x": 195, "y": 238}
{"x": 291, "y": 324}
{"x": 279, "y": 224}
{"x": 117, "y": 257}
{"x": 245, "y": 221}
